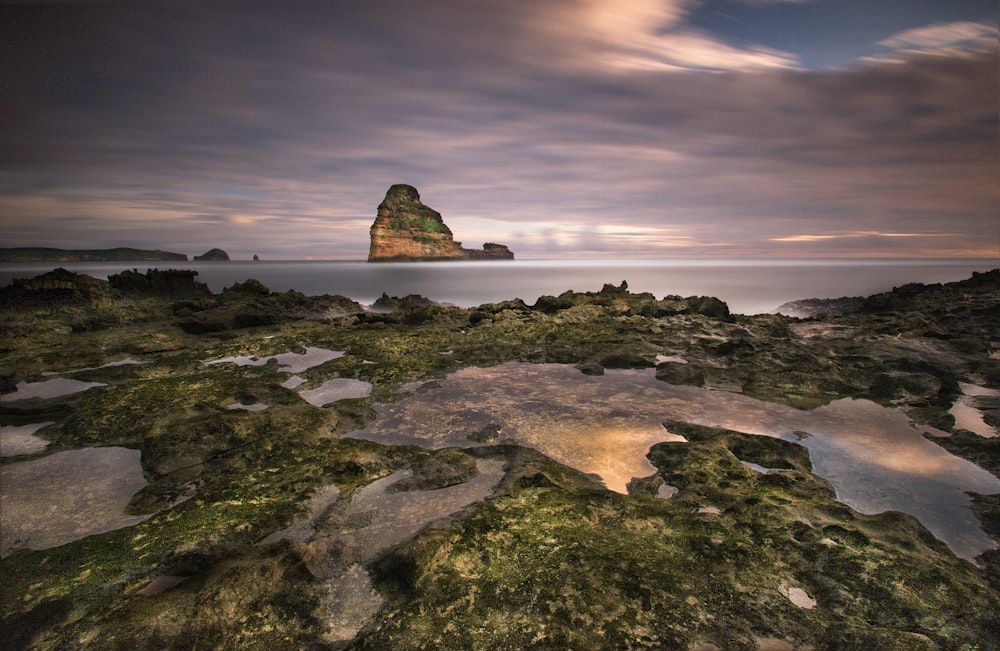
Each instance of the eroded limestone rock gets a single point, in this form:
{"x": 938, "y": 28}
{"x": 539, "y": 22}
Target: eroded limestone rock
{"x": 407, "y": 230}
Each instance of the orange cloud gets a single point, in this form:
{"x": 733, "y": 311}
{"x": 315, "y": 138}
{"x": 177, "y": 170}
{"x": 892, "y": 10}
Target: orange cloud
{"x": 842, "y": 236}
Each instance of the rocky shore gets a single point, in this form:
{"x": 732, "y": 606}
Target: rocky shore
{"x": 275, "y": 515}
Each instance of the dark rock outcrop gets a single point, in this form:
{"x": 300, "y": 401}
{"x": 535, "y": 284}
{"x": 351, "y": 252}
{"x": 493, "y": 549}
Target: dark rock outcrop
{"x": 674, "y": 373}
{"x": 385, "y": 303}
{"x": 912, "y": 297}
{"x": 251, "y": 304}
{"x": 707, "y": 306}
{"x": 54, "y": 288}
{"x": 169, "y": 283}
{"x": 249, "y": 288}
{"x": 213, "y": 255}
{"x": 407, "y": 230}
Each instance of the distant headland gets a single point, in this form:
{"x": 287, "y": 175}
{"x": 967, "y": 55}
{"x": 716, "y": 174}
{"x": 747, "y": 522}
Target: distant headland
{"x": 120, "y": 254}
{"x": 407, "y": 230}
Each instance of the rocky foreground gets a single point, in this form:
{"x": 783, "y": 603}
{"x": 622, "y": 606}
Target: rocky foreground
{"x": 271, "y": 527}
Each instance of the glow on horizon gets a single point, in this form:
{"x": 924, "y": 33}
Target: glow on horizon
{"x": 819, "y": 238}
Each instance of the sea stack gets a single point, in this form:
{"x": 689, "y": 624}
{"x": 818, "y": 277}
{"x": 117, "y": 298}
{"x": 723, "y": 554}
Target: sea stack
{"x": 213, "y": 255}
{"x": 407, "y": 230}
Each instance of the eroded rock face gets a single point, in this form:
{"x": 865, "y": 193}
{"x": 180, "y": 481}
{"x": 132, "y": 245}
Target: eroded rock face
{"x": 405, "y": 229}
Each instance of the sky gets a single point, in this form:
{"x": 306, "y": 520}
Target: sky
{"x": 563, "y": 128}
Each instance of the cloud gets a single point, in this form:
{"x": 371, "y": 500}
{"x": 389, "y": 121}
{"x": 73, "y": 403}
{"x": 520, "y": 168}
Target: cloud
{"x": 819, "y": 238}
{"x": 649, "y": 35}
{"x": 888, "y": 245}
{"x": 944, "y": 35}
{"x": 556, "y": 132}
{"x": 940, "y": 39}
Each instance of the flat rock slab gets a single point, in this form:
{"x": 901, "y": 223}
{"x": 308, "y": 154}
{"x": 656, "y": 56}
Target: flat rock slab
{"x": 17, "y": 440}
{"x": 336, "y": 389}
{"x": 287, "y": 362}
{"x": 47, "y": 389}
{"x": 67, "y": 496}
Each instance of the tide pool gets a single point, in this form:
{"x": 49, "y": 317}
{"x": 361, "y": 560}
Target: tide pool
{"x": 874, "y": 457}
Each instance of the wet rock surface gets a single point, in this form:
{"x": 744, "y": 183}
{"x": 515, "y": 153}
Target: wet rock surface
{"x": 547, "y": 557}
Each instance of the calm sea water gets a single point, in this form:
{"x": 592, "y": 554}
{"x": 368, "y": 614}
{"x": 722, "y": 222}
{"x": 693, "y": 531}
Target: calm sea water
{"x": 748, "y": 286}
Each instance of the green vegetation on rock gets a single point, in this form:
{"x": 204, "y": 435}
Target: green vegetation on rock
{"x": 556, "y": 564}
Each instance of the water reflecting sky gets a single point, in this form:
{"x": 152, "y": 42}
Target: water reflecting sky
{"x": 874, "y": 457}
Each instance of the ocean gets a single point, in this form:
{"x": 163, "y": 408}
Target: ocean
{"x": 747, "y": 286}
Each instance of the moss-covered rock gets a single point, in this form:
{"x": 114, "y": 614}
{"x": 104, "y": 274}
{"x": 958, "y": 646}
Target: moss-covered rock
{"x": 558, "y": 564}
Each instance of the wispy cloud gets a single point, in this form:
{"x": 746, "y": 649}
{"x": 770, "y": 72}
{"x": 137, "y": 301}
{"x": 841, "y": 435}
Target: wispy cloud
{"x": 841, "y": 236}
{"x": 939, "y": 39}
{"x": 650, "y": 35}
{"x": 945, "y": 36}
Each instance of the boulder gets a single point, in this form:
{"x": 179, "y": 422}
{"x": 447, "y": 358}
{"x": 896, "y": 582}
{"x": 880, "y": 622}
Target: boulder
{"x": 687, "y": 374}
{"x": 707, "y": 306}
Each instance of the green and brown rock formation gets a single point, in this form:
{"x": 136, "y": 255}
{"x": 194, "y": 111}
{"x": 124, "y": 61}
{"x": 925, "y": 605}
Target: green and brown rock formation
{"x": 407, "y": 230}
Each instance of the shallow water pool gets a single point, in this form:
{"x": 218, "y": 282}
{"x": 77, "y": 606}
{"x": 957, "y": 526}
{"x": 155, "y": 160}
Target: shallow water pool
{"x": 874, "y": 457}
{"x": 67, "y": 496}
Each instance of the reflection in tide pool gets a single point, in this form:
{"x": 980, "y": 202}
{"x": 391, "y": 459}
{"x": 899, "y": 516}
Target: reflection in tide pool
{"x": 968, "y": 416}
{"x": 873, "y": 456}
